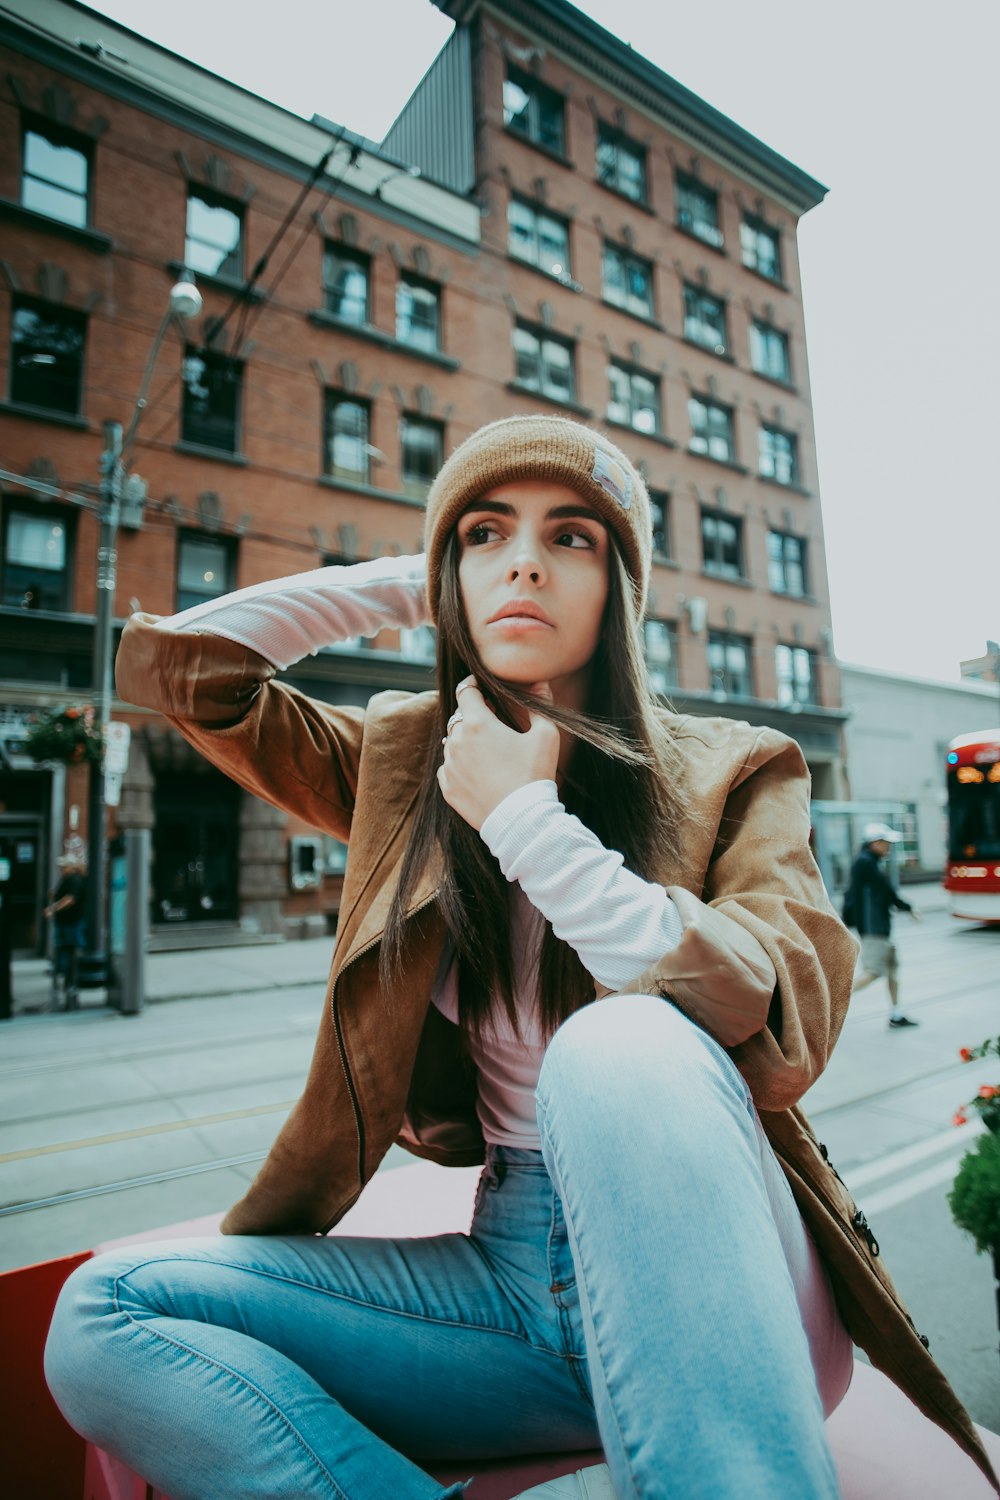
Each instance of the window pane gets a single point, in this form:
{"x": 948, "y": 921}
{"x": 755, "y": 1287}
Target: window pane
{"x": 47, "y": 357}
{"x": 421, "y": 445}
{"x": 34, "y": 565}
{"x": 607, "y": 160}
{"x": 553, "y": 246}
{"x": 210, "y": 412}
{"x": 620, "y": 398}
{"x": 522, "y": 237}
{"x": 417, "y": 315}
{"x": 645, "y": 404}
{"x": 35, "y": 542}
{"x": 59, "y": 164}
{"x": 640, "y": 298}
{"x": 213, "y": 238}
{"x": 202, "y": 567}
{"x": 558, "y": 365}
{"x": 614, "y": 277}
{"x": 661, "y": 655}
{"x": 54, "y": 202}
{"x": 550, "y": 123}
{"x": 527, "y": 358}
{"x": 661, "y": 529}
{"x": 347, "y": 441}
{"x": 345, "y": 285}
{"x": 515, "y": 106}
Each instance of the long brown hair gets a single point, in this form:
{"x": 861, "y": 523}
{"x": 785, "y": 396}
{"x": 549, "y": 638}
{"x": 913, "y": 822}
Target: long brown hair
{"x": 618, "y": 785}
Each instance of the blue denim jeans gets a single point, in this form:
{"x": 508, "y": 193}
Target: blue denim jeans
{"x": 644, "y": 1282}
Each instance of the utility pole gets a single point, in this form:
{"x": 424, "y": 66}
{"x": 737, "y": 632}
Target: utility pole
{"x": 94, "y": 964}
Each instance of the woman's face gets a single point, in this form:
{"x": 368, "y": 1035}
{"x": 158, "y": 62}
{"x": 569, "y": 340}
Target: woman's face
{"x": 533, "y": 571}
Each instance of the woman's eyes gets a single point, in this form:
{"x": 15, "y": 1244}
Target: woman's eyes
{"x": 483, "y": 532}
{"x": 573, "y": 538}
{"x": 480, "y": 533}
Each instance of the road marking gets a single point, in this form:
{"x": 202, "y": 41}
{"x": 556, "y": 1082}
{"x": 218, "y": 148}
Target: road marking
{"x": 892, "y": 1197}
{"x": 952, "y": 1140}
{"x": 130, "y": 1135}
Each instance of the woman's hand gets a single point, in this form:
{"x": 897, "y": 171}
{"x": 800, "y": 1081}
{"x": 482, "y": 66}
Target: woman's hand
{"x": 484, "y": 761}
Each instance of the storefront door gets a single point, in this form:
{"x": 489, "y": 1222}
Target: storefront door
{"x": 195, "y": 848}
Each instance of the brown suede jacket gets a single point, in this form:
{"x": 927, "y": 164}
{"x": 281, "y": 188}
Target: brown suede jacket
{"x": 759, "y": 932}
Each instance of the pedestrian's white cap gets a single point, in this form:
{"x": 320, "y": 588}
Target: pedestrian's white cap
{"x": 875, "y": 831}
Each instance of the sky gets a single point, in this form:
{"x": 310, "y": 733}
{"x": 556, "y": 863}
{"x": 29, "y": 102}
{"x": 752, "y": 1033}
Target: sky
{"x": 894, "y": 108}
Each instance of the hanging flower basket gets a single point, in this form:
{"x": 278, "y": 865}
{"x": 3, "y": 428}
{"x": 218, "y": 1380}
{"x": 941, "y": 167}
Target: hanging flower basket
{"x": 66, "y": 735}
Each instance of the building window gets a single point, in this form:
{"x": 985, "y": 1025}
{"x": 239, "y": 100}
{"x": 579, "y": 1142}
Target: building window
{"x": 769, "y": 352}
{"x": 55, "y": 174}
{"x": 621, "y": 163}
{"x": 796, "y": 672}
{"x": 705, "y": 320}
{"x": 634, "y": 399}
{"x": 534, "y": 111}
{"x": 778, "y": 455}
{"x": 759, "y": 249}
{"x": 418, "y": 313}
{"x": 345, "y": 284}
{"x": 46, "y": 357}
{"x": 210, "y": 414}
{"x": 786, "y": 564}
{"x": 628, "y": 281}
{"x": 545, "y": 364}
{"x": 538, "y": 238}
{"x": 729, "y": 664}
{"x": 698, "y": 210}
{"x": 204, "y": 568}
{"x": 722, "y": 544}
{"x": 214, "y": 245}
{"x": 36, "y": 560}
{"x": 421, "y": 443}
{"x": 659, "y": 504}
{"x": 661, "y": 655}
{"x": 346, "y": 446}
{"x": 711, "y": 430}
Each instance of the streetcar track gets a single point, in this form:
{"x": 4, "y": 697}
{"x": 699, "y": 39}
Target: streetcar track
{"x": 108, "y": 1106}
{"x": 183, "y": 1045}
{"x": 75, "y": 1195}
{"x": 137, "y": 1132}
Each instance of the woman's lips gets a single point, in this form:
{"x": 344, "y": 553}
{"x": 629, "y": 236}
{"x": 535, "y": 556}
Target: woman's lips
{"x": 523, "y": 613}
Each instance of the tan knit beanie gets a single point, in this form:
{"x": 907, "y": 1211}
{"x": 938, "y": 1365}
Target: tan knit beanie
{"x": 551, "y": 448}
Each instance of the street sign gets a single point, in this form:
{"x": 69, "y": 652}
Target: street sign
{"x": 112, "y": 788}
{"x": 116, "y": 742}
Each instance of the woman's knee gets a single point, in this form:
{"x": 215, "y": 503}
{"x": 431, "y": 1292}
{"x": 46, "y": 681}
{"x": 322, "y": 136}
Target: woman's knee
{"x": 629, "y": 1037}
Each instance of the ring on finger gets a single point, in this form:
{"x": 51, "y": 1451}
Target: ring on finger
{"x": 456, "y": 718}
{"x": 462, "y": 686}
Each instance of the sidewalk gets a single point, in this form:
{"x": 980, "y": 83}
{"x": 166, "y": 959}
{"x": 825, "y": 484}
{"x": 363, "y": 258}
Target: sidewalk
{"x": 194, "y": 974}
{"x": 203, "y": 972}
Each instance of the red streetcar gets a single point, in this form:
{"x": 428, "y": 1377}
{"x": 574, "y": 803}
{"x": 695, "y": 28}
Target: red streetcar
{"x": 972, "y": 878}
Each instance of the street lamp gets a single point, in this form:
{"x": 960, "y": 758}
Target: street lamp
{"x": 185, "y": 303}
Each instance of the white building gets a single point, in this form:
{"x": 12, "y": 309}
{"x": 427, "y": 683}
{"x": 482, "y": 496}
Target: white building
{"x": 897, "y": 732}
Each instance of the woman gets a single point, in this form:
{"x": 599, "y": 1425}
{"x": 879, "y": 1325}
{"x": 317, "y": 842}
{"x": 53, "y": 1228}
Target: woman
{"x": 575, "y": 927}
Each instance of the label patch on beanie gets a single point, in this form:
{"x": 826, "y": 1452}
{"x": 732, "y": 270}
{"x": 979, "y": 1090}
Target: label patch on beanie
{"x": 613, "y": 478}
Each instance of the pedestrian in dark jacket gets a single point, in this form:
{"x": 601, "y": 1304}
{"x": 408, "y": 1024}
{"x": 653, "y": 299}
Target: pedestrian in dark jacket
{"x": 868, "y": 908}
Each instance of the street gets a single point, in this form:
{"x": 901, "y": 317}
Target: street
{"x": 111, "y": 1125}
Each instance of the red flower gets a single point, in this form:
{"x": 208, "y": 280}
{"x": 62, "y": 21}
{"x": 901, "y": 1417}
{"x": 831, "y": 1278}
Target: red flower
{"x": 965, "y": 1054}
{"x": 959, "y": 1117}
{"x": 72, "y": 713}
{"x": 988, "y": 1091}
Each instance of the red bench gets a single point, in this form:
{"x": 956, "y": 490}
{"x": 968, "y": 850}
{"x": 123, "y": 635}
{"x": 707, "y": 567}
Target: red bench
{"x": 883, "y": 1447}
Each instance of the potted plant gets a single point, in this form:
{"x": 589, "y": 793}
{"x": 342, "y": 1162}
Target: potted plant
{"x": 66, "y": 735}
{"x": 975, "y": 1197}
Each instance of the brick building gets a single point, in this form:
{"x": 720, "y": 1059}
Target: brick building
{"x": 551, "y": 224}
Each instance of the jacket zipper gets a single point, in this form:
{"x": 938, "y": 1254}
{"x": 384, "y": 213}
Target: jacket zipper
{"x": 352, "y": 1090}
